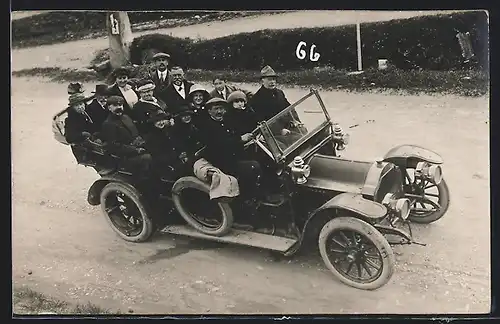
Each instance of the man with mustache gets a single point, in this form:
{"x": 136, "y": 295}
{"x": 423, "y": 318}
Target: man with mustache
{"x": 160, "y": 74}
{"x": 97, "y": 109}
{"x": 224, "y": 148}
{"x": 119, "y": 131}
{"x": 175, "y": 95}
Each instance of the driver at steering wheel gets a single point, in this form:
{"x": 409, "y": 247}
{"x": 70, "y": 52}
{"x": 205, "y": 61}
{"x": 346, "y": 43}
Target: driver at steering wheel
{"x": 269, "y": 101}
{"x": 225, "y": 148}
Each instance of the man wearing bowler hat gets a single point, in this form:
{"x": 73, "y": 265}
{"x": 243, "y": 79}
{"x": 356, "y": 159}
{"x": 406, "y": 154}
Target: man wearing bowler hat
{"x": 97, "y": 109}
{"x": 160, "y": 74}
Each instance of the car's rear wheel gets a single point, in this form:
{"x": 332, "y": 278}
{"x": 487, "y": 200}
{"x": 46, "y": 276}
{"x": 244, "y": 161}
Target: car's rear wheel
{"x": 126, "y": 213}
{"x": 356, "y": 253}
{"x": 192, "y": 200}
{"x": 429, "y": 201}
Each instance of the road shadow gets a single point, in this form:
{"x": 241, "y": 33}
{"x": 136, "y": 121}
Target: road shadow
{"x": 182, "y": 245}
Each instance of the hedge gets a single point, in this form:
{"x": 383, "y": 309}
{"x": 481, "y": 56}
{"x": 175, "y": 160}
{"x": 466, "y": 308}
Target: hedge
{"x": 426, "y": 42}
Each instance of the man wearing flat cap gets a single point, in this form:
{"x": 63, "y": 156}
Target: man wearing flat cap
{"x": 269, "y": 101}
{"x": 97, "y": 109}
{"x": 124, "y": 140}
{"x": 224, "y": 147}
{"x": 160, "y": 74}
{"x": 147, "y": 106}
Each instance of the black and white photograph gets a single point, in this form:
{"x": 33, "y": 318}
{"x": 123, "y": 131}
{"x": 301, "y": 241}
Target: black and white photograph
{"x": 276, "y": 162}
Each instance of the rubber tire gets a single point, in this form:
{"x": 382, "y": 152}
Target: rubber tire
{"x": 444, "y": 201}
{"x": 148, "y": 227}
{"x": 195, "y": 183}
{"x": 368, "y": 231}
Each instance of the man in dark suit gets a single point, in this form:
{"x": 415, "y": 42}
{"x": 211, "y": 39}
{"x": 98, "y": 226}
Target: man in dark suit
{"x": 224, "y": 147}
{"x": 174, "y": 96}
{"x": 97, "y": 109}
{"x": 269, "y": 101}
{"x": 78, "y": 126}
{"x": 223, "y": 90}
{"x": 123, "y": 138}
{"x": 160, "y": 75}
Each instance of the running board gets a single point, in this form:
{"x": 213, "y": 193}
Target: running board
{"x": 254, "y": 239}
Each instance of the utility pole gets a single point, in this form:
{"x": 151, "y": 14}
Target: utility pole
{"x": 120, "y": 37}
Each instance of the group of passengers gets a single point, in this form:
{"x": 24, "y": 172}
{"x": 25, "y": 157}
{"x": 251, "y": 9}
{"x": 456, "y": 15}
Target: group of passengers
{"x": 164, "y": 120}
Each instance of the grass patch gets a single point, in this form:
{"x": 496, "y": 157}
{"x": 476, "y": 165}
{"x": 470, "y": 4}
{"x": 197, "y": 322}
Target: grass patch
{"x": 27, "y": 301}
{"x": 463, "y": 83}
{"x": 62, "y": 26}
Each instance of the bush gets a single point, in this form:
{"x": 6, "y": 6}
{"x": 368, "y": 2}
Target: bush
{"x": 146, "y": 46}
{"x": 426, "y": 42}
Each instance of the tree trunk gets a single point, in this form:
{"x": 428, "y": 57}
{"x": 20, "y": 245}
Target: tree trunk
{"x": 120, "y": 37}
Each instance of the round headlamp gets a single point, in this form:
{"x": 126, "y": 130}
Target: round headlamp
{"x": 430, "y": 172}
{"x": 402, "y": 207}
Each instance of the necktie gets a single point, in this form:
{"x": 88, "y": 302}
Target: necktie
{"x": 222, "y": 95}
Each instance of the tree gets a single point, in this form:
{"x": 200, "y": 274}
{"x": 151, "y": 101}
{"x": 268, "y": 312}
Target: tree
{"x": 120, "y": 37}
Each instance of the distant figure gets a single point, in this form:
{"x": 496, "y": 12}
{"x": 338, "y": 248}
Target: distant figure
{"x": 223, "y": 90}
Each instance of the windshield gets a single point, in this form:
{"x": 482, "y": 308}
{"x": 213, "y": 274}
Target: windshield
{"x": 295, "y": 123}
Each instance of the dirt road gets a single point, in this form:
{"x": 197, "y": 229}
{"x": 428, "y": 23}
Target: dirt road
{"x": 64, "y": 248}
{"x": 78, "y": 54}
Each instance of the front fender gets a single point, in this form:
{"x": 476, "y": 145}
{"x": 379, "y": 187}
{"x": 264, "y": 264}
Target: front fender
{"x": 356, "y": 203}
{"x": 93, "y": 196}
{"x": 408, "y": 155}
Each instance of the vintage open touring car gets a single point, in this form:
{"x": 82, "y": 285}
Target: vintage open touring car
{"x": 351, "y": 209}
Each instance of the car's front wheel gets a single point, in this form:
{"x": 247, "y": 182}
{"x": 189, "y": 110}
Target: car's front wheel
{"x": 429, "y": 201}
{"x": 356, "y": 253}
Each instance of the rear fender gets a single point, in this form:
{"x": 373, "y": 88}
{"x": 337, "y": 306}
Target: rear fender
{"x": 93, "y": 197}
{"x": 407, "y": 156}
{"x": 355, "y": 204}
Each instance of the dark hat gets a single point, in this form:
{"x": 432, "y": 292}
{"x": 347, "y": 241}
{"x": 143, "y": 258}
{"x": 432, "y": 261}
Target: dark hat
{"x": 121, "y": 71}
{"x": 76, "y": 98}
{"x": 75, "y": 87}
{"x": 183, "y": 111}
{"x": 158, "y": 116}
{"x": 267, "y": 71}
{"x": 216, "y": 102}
{"x": 115, "y": 100}
{"x": 101, "y": 90}
{"x": 160, "y": 56}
